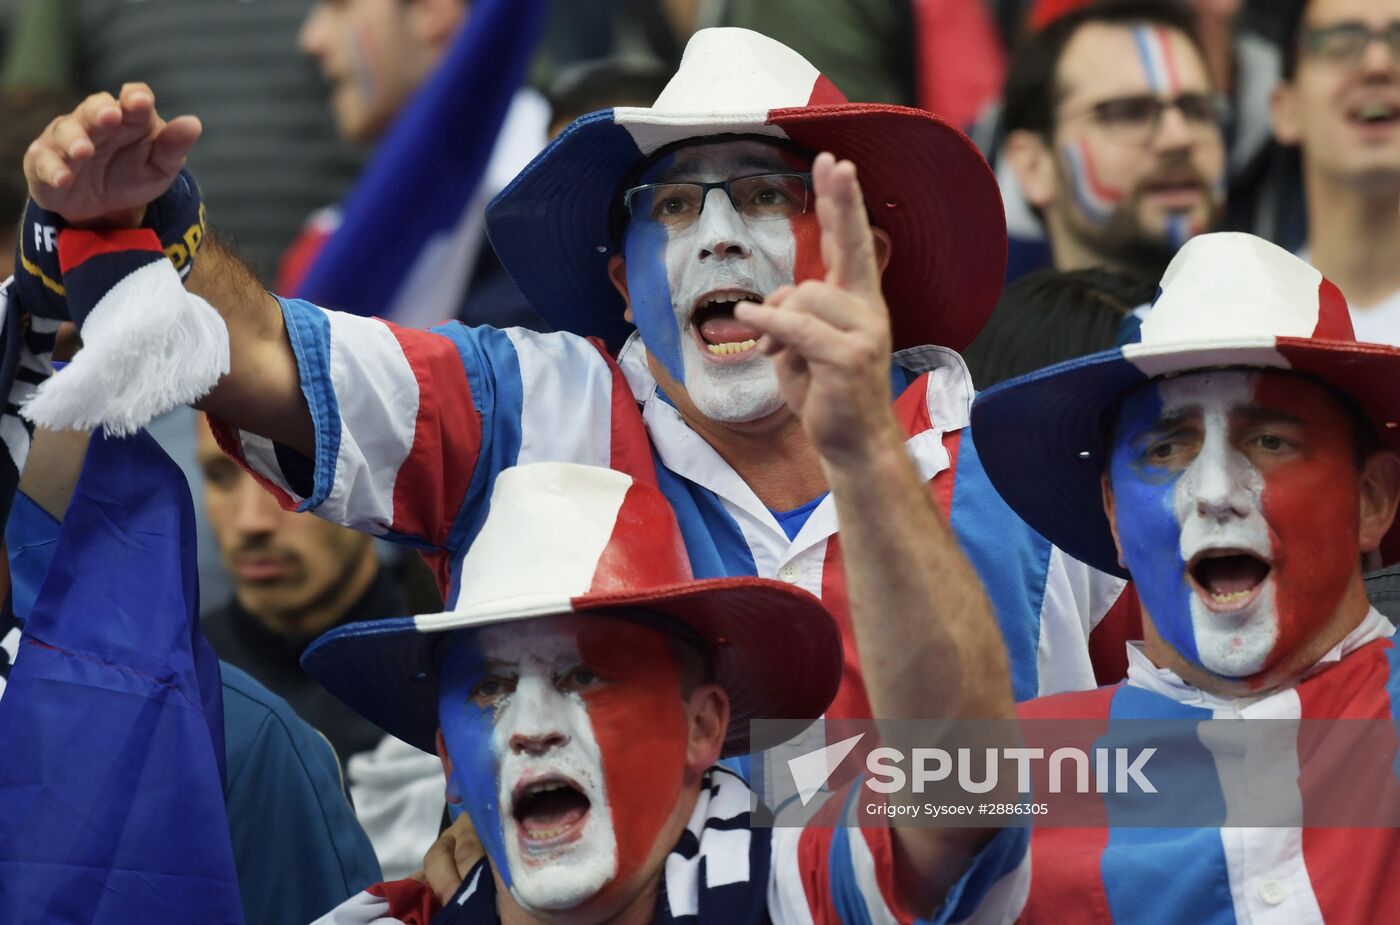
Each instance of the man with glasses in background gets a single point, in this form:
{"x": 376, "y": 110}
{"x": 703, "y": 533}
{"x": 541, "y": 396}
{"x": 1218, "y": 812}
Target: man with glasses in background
{"x": 1339, "y": 103}
{"x": 1114, "y": 133}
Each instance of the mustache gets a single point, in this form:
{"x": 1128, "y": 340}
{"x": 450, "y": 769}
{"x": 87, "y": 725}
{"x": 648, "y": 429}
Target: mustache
{"x": 1180, "y": 173}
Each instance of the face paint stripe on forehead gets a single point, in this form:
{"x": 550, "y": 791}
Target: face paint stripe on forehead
{"x": 1154, "y": 50}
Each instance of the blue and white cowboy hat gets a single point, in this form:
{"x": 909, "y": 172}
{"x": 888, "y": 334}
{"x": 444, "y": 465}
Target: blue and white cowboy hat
{"x": 925, "y": 184}
{"x": 1226, "y": 300}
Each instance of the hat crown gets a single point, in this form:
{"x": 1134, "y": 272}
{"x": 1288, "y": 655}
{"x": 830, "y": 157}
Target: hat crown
{"x": 1233, "y": 287}
{"x": 558, "y": 531}
{"x": 729, "y": 70}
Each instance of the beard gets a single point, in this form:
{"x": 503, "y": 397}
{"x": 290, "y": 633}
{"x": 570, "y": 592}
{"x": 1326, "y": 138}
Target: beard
{"x": 1125, "y": 241}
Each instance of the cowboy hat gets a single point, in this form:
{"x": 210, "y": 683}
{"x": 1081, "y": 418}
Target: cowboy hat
{"x": 1227, "y": 300}
{"x": 563, "y": 538}
{"x": 925, "y": 184}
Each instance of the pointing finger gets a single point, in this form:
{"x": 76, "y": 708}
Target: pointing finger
{"x": 848, "y": 248}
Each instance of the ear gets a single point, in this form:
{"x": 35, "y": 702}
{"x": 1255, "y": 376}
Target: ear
{"x": 441, "y": 745}
{"x": 617, "y": 272}
{"x": 707, "y": 712}
{"x": 1110, "y": 509}
{"x": 1283, "y": 114}
{"x": 1033, "y": 163}
{"x": 1379, "y": 493}
{"x": 435, "y": 22}
{"x": 884, "y": 247}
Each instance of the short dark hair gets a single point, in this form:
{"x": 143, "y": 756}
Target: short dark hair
{"x": 1032, "y": 91}
{"x": 1051, "y": 316}
{"x": 1292, "y": 46}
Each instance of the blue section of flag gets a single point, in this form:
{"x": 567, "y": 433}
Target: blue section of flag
{"x": 309, "y": 330}
{"x": 426, "y": 172}
{"x": 1012, "y": 559}
{"x": 111, "y": 795}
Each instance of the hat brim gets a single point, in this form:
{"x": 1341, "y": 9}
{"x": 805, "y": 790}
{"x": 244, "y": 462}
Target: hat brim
{"x": 1044, "y": 438}
{"x": 925, "y": 183}
{"x": 775, "y": 650}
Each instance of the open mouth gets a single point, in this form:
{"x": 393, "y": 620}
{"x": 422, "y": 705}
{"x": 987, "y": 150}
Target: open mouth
{"x": 719, "y": 332}
{"x": 1227, "y": 580}
{"x": 1374, "y": 113}
{"x": 549, "y": 812}
{"x": 1181, "y": 189}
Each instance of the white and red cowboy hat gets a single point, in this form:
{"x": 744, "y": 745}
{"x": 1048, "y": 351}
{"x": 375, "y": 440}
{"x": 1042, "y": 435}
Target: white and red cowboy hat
{"x": 1227, "y": 300}
{"x": 563, "y": 538}
{"x": 925, "y": 184}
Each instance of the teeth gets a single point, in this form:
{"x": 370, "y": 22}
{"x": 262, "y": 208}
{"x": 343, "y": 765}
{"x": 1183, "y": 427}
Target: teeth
{"x": 1371, "y": 111}
{"x": 1230, "y": 597}
{"x": 736, "y": 347}
{"x": 544, "y": 787}
{"x": 544, "y": 834}
{"x": 733, "y": 296}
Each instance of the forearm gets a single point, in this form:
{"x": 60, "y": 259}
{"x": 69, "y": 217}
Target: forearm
{"x": 929, "y": 645}
{"x": 928, "y": 640}
{"x": 262, "y": 392}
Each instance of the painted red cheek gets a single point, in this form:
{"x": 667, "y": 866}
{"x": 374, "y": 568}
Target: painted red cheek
{"x": 640, "y": 725}
{"x": 1311, "y": 505}
{"x": 807, "y": 232}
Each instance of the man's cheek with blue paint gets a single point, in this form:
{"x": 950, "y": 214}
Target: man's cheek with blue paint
{"x": 649, "y": 290}
{"x": 468, "y": 732}
{"x": 1149, "y": 532}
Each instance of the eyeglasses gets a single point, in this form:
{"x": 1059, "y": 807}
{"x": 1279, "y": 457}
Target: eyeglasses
{"x": 760, "y": 198}
{"x": 1344, "y": 43}
{"x": 1136, "y": 120}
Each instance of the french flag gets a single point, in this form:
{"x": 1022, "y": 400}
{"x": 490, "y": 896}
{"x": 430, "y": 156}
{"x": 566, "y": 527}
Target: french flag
{"x": 402, "y": 248}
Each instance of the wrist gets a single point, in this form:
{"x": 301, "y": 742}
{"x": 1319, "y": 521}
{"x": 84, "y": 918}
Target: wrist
{"x": 122, "y": 219}
{"x": 879, "y": 452}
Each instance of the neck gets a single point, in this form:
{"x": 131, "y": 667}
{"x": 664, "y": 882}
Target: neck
{"x": 1354, "y": 235}
{"x": 772, "y": 455}
{"x": 1348, "y": 616}
{"x": 328, "y": 608}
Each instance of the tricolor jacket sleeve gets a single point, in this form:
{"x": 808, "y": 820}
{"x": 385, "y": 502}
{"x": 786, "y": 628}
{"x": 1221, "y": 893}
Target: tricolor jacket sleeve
{"x": 413, "y": 426}
{"x": 831, "y": 875}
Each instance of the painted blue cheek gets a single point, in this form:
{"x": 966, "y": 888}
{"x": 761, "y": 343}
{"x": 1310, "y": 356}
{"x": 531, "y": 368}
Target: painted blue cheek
{"x": 467, "y": 730}
{"x": 1149, "y": 531}
{"x": 644, "y": 246}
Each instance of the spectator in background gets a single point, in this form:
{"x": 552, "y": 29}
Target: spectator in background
{"x": 603, "y": 84}
{"x": 1050, "y": 316}
{"x": 294, "y": 577}
{"x": 1339, "y": 104}
{"x": 377, "y": 55}
{"x": 1113, "y": 132}
{"x": 270, "y": 154}
{"x": 941, "y": 55}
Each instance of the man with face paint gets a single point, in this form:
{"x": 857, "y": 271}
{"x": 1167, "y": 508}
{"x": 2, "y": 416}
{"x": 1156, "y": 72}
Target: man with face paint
{"x": 678, "y": 218}
{"x": 1114, "y": 134}
{"x": 1245, "y": 453}
{"x": 579, "y": 700}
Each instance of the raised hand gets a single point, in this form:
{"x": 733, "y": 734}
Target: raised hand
{"x": 830, "y": 338}
{"x": 106, "y": 160}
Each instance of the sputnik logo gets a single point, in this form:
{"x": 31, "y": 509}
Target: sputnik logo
{"x": 811, "y": 771}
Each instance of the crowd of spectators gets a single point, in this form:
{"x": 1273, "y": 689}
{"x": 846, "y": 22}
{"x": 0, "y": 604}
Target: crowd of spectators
{"x": 1118, "y": 129}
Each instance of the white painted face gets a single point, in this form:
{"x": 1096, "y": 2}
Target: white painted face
{"x": 721, "y": 258}
{"x": 1219, "y": 504}
{"x": 545, "y": 722}
{"x": 541, "y": 738}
